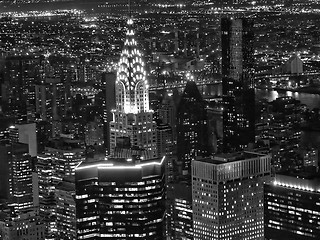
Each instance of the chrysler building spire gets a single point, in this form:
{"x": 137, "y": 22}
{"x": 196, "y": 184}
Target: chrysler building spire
{"x": 133, "y": 130}
{"x": 131, "y": 84}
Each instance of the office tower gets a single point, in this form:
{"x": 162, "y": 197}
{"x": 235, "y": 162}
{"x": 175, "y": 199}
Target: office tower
{"x": 45, "y": 181}
{"x": 179, "y": 211}
{"x": 65, "y": 154}
{"x": 110, "y": 79}
{"x": 164, "y": 140}
{"x": 166, "y": 147}
{"x": 51, "y": 93}
{"x": 58, "y": 161}
{"x": 191, "y": 130}
{"x": 292, "y": 207}
{"x": 121, "y": 199}
{"x": 66, "y": 210}
{"x": 24, "y": 226}
{"x": 132, "y": 117}
{"x": 87, "y": 72}
{"x": 192, "y": 140}
{"x": 18, "y": 93}
{"x": 25, "y": 133}
{"x": 237, "y": 83}
{"x": 227, "y": 194}
{"x": 46, "y": 102}
{"x": 167, "y": 112}
{"x": 16, "y": 176}
{"x": 215, "y": 126}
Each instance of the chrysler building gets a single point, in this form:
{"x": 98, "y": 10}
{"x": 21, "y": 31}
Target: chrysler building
{"x": 132, "y": 129}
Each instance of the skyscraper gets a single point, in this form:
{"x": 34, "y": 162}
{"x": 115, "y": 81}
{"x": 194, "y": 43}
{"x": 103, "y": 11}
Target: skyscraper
{"x": 45, "y": 181}
{"x": 292, "y": 207}
{"x": 110, "y": 104}
{"x": 237, "y": 83}
{"x": 179, "y": 211}
{"x": 66, "y": 209}
{"x": 18, "y": 92}
{"x": 192, "y": 140}
{"x": 191, "y": 130}
{"x": 25, "y": 133}
{"x": 121, "y": 199}
{"x": 58, "y": 162}
{"x": 65, "y": 155}
{"x": 132, "y": 118}
{"x": 16, "y": 176}
{"x": 227, "y": 194}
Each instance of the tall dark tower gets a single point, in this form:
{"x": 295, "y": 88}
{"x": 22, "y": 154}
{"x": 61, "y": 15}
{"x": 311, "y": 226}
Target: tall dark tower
{"x": 192, "y": 141}
{"x": 110, "y": 103}
{"x": 237, "y": 83}
{"x": 191, "y": 129}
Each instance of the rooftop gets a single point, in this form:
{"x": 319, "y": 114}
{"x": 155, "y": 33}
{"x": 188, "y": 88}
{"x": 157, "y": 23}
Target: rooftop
{"x": 120, "y": 162}
{"x": 298, "y": 182}
{"x": 231, "y": 157}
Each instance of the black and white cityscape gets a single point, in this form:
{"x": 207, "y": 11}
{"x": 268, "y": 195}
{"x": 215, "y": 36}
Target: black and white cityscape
{"x": 159, "y": 119}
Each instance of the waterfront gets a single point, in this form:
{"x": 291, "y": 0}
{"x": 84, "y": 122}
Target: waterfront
{"x": 311, "y": 100}
{"x": 308, "y": 138}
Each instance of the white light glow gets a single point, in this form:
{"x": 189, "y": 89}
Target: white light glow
{"x": 111, "y": 166}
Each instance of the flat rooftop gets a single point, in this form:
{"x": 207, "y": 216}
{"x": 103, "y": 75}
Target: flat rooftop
{"x": 231, "y": 157}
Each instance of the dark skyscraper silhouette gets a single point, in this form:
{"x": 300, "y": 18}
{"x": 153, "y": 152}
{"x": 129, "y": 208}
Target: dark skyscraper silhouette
{"x": 191, "y": 129}
{"x": 237, "y": 83}
{"x": 110, "y": 79}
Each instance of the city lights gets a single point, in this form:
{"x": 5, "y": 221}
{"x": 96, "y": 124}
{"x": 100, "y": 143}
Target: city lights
{"x": 153, "y": 120}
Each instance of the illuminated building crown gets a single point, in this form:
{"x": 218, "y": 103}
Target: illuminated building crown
{"x": 131, "y": 85}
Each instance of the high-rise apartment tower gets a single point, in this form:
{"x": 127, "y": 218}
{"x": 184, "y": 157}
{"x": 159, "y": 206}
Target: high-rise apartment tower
{"x": 237, "y": 83}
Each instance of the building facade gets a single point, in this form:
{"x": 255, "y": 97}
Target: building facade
{"x": 25, "y": 226}
{"x": 57, "y": 163}
{"x": 16, "y": 176}
{"x": 192, "y": 134}
{"x": 237, "y": 83}
{"x": 66, "y": 210}
{"x": 227, "y": 194}
{"x": 121, "y": 199}
{"x": 179, "y": 211}
{"x": 292, "y": 208}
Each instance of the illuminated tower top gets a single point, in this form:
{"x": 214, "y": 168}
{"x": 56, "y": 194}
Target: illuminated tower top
{"x": 131, "y": 84}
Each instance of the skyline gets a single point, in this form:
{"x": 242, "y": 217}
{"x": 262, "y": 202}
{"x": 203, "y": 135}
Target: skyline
{"x": 162, "y": 120}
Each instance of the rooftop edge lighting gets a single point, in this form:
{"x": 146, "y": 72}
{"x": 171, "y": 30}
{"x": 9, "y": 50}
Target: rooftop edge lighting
{"x": 112, "y": 166}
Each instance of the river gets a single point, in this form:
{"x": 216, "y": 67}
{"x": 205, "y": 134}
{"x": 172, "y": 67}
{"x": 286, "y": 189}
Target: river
{"x": 311, "y": 100}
